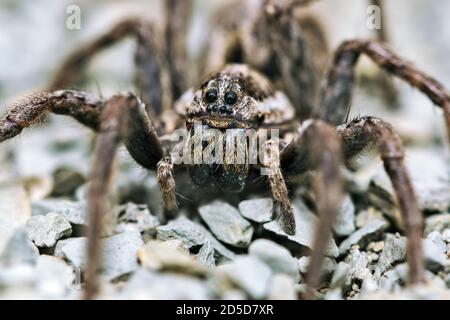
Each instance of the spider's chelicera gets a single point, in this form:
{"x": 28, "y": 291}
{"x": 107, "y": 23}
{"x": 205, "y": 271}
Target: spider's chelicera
{"x": 261, "y": 112}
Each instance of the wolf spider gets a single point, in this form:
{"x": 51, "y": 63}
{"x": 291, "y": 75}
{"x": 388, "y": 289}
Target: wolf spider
{"x": 249, "y": 45}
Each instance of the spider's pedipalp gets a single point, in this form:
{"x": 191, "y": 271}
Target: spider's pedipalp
{"x": 166, "y": 181}
{"x": 355, "y": 136}
{"x": 282, "y": 205}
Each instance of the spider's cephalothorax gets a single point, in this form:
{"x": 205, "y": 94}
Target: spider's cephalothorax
{"x": 225, "y": 114}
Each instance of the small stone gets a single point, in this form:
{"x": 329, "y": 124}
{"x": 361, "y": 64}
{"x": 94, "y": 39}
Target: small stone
{"x": 227, "y": 224}
{"x": 437, "y": 222}
{"x": 206, "y": 255}
{"x": 73, "y": 211}
{"x": 369, "y": 285}
{"x": 60, "y": 244}
{"x": 341, "y": 276}
{"x": 429, "y": 173}
{"x": 167, "y": 256}
{"x": 394, "y": 251}
{"x": 278, "y": 258}
{"x": 435, "y": 258}
{"x": 382, "y": 196}
{"x": 192, "y": 234}
{"x": 305, "y": 222}
{"x": 19, "y": 249}
{"x": 359, "y": 265}
{"x": 133, "y": 217}
{"x": 118, "y": 252}
{"x": 377, "y": 246}
{"x": 366, "y": 216}
{"x": 282, "y": 287}
{"x": 446, "y": 235}
{"x": 45, "y": 230}
{"x": 257, "y": 210}
{"x": 390, "y": 280}
{"x": 436, "y": 238}
{"x": 148, "y": 285}
{"x": 434, "y": 199}
{"x": 328, "y": 266}
{"x": 345, "y": 220}
{"x": 250, "y": 274}
{"x": 56, "y": 278}
{"x": 373, "y": 257}
{"x": 363, "y": 236}
{"x": 66, "y": 181}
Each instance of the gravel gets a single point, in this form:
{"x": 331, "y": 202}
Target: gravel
{"x": 394, "y": 251}
{"x": 435, "y": 257}
{"x": 438, "y": 222}
{"x": 278, "y": 258}
{"x": 328, "y": 266}
{"x": 227, "y": 224}
{"x": 169, "y": 256}
{"x": 192, "y": 234}
{"x": 257, "y": 210}
{"x": 363, "y": 236}
{"x": 133, "y": 217}
{"x": 359, "y": 264}
{"x": 345, "y": 221}
{"x": 146, "y": 285}
{"x": 436, "y": 238}
{"x": 250, "y": 274}
{"x": 446, "y": 235}
{"x": 305, "y": 225}
{"x": 19, "y": 249}
{"x": 206, "y": 255}
{"x": 119, "y": 253}
{"x": 282, "y": 287}
{"x": 74, "y": 212}
{"x": 368, "y": 215}
{"x": 56, "y": 278}
{"x": 45, "y": 230}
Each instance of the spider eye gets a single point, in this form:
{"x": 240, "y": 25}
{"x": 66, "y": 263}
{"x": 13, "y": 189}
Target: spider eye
{"x": 211, "y": 96}
{"x": 231, "y": 97}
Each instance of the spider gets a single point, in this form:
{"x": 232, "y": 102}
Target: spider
{"x": 269, "y": 63}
